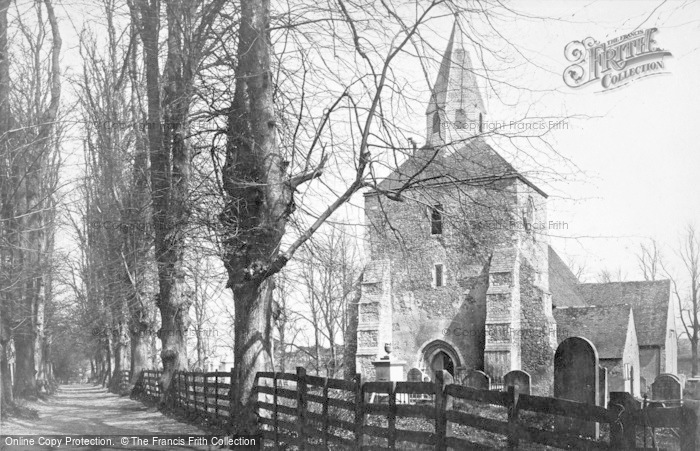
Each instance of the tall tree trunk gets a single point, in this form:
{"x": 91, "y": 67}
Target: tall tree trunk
{"x": 141, "y": 319}
{"x": 40, "y": 341}
{"x": 258, "y": 203}
{"x": 170, "y": 155}
{"x": 350, "y": 335}
{"x": 25, "y": 374}
{"x": 121, "y": 344}
{"x": 252, "y": 352}
{"x": 140, "y": 345}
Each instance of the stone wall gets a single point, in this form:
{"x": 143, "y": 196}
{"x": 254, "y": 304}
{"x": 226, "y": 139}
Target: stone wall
{"x": 400, "y": 232}
{"x": 483, "y": 240}
{"x": 537, "y": 332}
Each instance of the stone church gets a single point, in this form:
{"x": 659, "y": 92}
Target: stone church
{"x": 459, "y": 276}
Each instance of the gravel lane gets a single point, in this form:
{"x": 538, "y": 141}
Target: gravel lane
{"x": 91, "y": 410}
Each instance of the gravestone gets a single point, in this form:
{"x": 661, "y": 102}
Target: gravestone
{"x": 692, "y": 388}
{"x": 603, "y": 384}
{"x": 460, "y": 373}
{"x": 667, "y": 387}
{"x": 518, "y": 379}
{"x": 477, "y": 379}
{"x": 414, "y": 375}
{"x": 576, "y": 378}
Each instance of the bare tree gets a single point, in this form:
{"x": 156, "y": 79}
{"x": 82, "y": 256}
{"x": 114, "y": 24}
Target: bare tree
{"x": 607, "y": 276}
{"x": 119, "y": 232}
{"x": 649, "y": 260}
{"x": 188, "y": 26}
{"x": 286, "y": 318}
{"x": 577, "y": 268}
{"x": 688, "y": 302}
{"x": 330, "y": 265}
{"x": 205, "y": 283}
{"x": 30, "y": 161}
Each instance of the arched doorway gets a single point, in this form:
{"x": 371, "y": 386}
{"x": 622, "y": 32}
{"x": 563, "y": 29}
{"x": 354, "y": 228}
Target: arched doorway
{"x": 442, "y": 361}
{"x": 440, "y": 355}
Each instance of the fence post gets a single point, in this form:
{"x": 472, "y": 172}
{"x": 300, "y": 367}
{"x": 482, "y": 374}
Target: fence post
{"x": 513, "y": 398}
{"x": 326, "y": 416}
{"x": 206, "y": 394}
{"x": 301, "y": 406}
{"x": 216, "y": 395}
{"x": 623, "y": 431}
{"x": 231, "y": 407}
{"x": 194, "y": 389}
{"x": 689, "y": 430}
{"x": 179, "y": 389}
{"x": 187, "y": 393}
{"x": 275, "y": 401}
{"x": 359, "y": 410}
{"x": 175, "y": 388}
{"x": 440, "y": 412}
{"x": 392, "y": 415}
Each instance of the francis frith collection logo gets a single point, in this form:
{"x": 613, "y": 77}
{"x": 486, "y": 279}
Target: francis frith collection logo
{"x": 614, "y": 63}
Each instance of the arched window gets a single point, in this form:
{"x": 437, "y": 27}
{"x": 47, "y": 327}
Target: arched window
{"x": 460, "y": 118}
{"x": 436, "y": 122}
{"x": 435, "y": 213}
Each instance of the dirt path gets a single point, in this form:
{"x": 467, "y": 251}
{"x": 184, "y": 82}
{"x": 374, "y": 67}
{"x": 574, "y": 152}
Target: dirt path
{"x": 89, "y": 409}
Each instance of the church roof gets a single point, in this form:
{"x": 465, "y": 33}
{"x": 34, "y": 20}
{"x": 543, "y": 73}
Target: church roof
{"x": 473, "y": 161}
{"x": 456, "y": 77}
{"x": 649, "y": 300}
{"x": 562, "y": 283}
{"x": 604, "y": 325}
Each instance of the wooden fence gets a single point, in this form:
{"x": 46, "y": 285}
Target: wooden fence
{"x": 150, "y": 381}
{"x": 315, "y": 412}
{"x": 199, "y": 393}
{"x": 311, "y": 412}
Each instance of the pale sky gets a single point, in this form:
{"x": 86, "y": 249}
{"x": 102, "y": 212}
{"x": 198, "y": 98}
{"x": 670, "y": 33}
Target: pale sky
{"x": 633, "y": 161}
{"x": 633, "y": 152}
{"x": 641, "y": 152}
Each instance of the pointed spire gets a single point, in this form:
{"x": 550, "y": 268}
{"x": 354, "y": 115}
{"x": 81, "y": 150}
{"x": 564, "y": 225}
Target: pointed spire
{"x": 456, "y": 95}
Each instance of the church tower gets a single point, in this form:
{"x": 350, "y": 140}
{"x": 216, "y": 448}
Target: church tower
{"x": 456, "y": 110}
{"x": 457, "y": 277}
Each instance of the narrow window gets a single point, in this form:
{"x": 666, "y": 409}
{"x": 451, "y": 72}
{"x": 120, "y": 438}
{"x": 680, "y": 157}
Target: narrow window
{"x": 436, "y": 122}
{"x": 438, "y": 275}
{"x": 436, "y": 220}
{"x": 460, "y": 118}
{"x": 481, "y": 123}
